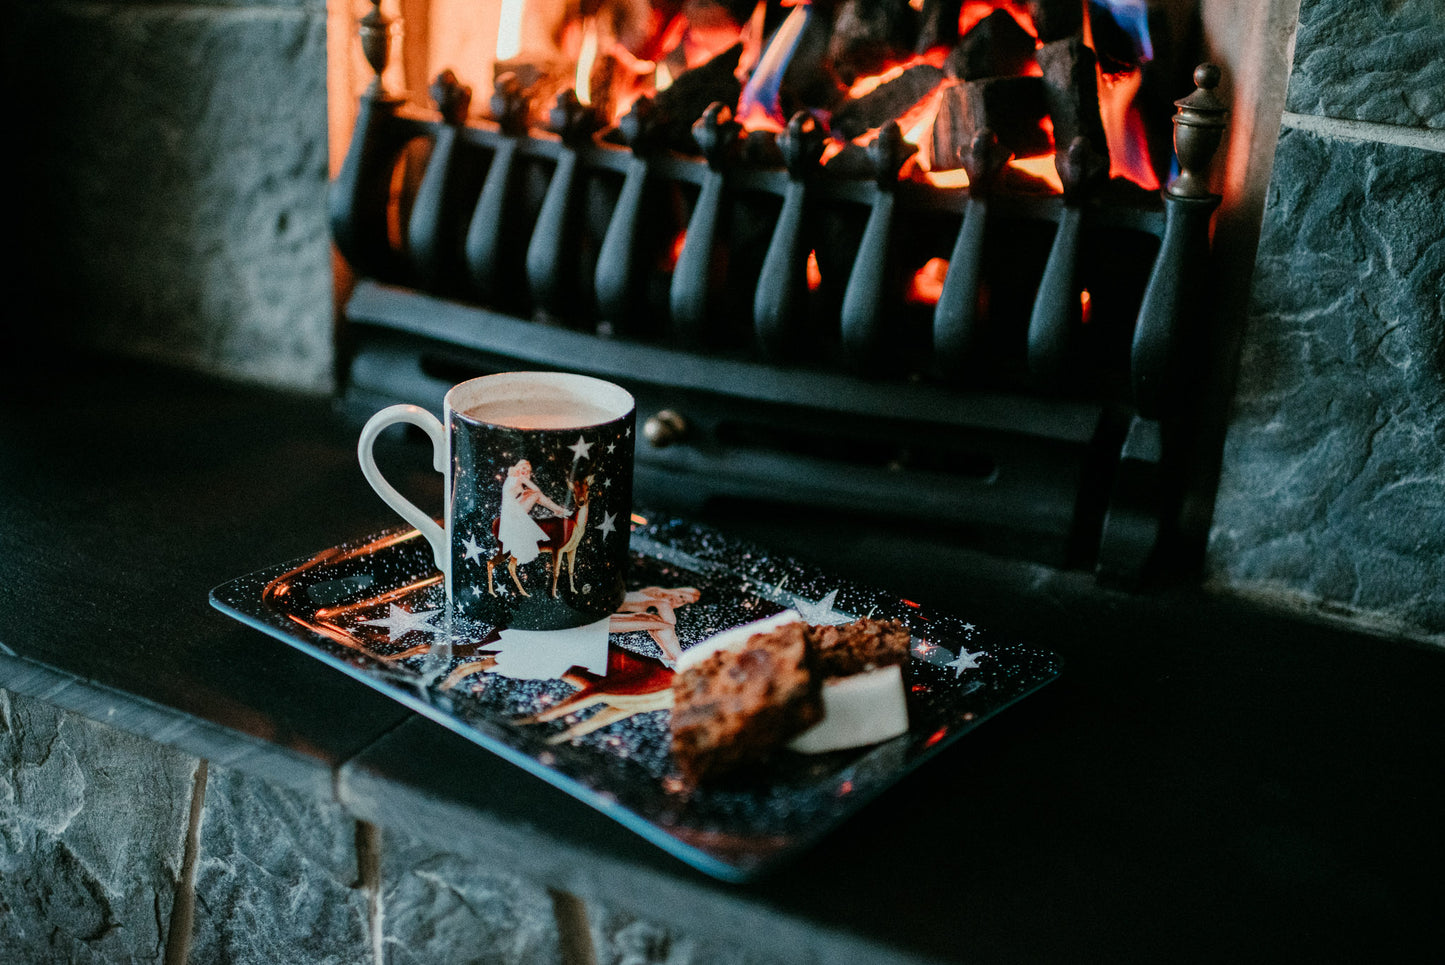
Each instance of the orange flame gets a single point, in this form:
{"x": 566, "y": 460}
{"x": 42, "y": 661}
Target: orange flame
{"x": 1124, "y": 129}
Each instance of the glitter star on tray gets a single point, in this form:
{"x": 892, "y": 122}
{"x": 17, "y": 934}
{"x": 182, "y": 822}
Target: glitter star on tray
{"x": 399, "y": 621}
{"x": 965, "y": 661}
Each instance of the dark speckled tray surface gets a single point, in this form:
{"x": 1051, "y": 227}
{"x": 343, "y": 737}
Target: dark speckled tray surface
{"x": 375, "y": 609}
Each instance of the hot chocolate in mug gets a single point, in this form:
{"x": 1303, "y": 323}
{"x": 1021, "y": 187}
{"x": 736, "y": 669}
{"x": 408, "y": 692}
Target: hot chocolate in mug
{"x": 537, "y": 483}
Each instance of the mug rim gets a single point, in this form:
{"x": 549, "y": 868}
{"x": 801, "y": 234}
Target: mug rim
{"x": 599, "y": 392}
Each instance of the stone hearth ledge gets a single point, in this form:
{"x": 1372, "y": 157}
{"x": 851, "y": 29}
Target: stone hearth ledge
{"x": 277, "y": 868}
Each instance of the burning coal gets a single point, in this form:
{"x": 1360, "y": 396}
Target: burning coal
{"x": 1034, "y": 74}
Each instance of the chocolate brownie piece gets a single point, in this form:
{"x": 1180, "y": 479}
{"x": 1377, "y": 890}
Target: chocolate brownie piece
{"x": 736, "y": 706}
{"x": 842, "y": 651}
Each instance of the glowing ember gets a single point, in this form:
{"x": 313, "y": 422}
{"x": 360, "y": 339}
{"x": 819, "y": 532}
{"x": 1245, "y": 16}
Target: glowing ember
{"x": 975, "y": 10}
{"x": 815, "y": 274}
{"x": 1086, "y": 306}
{"x": 1041, "y": 168}
{"x": 927, "y": 283}
{"x": 674, "y": 252}
{"x": 957, "y": 178}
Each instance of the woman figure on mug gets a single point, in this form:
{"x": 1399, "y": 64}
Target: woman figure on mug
{"x": 517, "y": 531}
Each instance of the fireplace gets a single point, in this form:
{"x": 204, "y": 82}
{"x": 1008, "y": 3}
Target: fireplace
{"x": 922, "y": 271}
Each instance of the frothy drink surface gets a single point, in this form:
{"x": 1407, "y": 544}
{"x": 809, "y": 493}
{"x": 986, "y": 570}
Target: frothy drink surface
{"x": 550, "y": 412}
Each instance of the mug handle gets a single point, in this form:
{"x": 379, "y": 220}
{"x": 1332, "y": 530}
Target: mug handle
{"x": 422, "y": 419}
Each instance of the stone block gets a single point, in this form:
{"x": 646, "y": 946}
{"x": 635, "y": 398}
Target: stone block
{"x": 1380, "y": 62}
{"x": 177, "y": 169}
{"x": 276, "y": 877}
{"x": 438, "y": 908}
{"x": 92, "y": 830}
{"x": 1333, "y": 481}
{"x": 620, "y": 939}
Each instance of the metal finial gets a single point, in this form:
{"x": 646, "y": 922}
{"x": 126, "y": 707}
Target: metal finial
{"x": 889, "y": 152}
{"x": 983, "y": 160}
{"x": 801, "y": 144}
{"x": 375, "y": 31}
{"x": 571, "y": 119}
{"x": 716, "y": 132}
{"x": 1198, "y": 128}
{"x": 509, "y": 104}
{"x": 452, "y": 98}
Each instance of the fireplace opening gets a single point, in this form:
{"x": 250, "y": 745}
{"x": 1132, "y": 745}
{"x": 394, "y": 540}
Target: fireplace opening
{"x": 937, "y": 259}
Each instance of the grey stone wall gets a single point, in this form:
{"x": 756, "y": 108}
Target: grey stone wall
{"x": 103, "y": 858}
{"x": 92, "y": 829}
{"x": 1332, "y": 491}
{"x": 174, "y": 160}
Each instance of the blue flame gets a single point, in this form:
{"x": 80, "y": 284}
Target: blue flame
{"x": 1132, "y": 18}
{"x": 763, "y": 90}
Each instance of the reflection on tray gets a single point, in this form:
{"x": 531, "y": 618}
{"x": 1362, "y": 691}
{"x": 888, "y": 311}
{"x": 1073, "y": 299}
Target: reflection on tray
{"x": 588, "y": 710}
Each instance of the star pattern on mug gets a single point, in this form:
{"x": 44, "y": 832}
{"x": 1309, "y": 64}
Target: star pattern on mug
{"x": 473, "y": 550}
{"x": 608, "y": 526}
{"x": 581, "y": 449}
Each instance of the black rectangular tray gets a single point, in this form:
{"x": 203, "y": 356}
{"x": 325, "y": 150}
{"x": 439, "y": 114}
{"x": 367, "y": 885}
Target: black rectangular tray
{"x": 375, "y": 609}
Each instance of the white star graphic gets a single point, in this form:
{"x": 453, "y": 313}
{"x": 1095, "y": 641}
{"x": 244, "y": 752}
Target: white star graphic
{"x": 968, "y": 628}
{"x": 473, "y": 551}
{"x": 965, "y": 661}
{"x": 612, "y": 447}
{"x": 821, "y": 612}
{"x": 608, "y": 526}
{"x": 399, "y": 622}
{"x": 580, "y": 449}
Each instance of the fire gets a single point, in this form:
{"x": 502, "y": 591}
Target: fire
{"x": 509, "y": 29}
{"x": 617, "y": 63}
{"x": 1124, "y": 129}
{"x": 586, "y": 60}
{"x": 759, "y": 107}
{"x": 1123, "y": 126}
